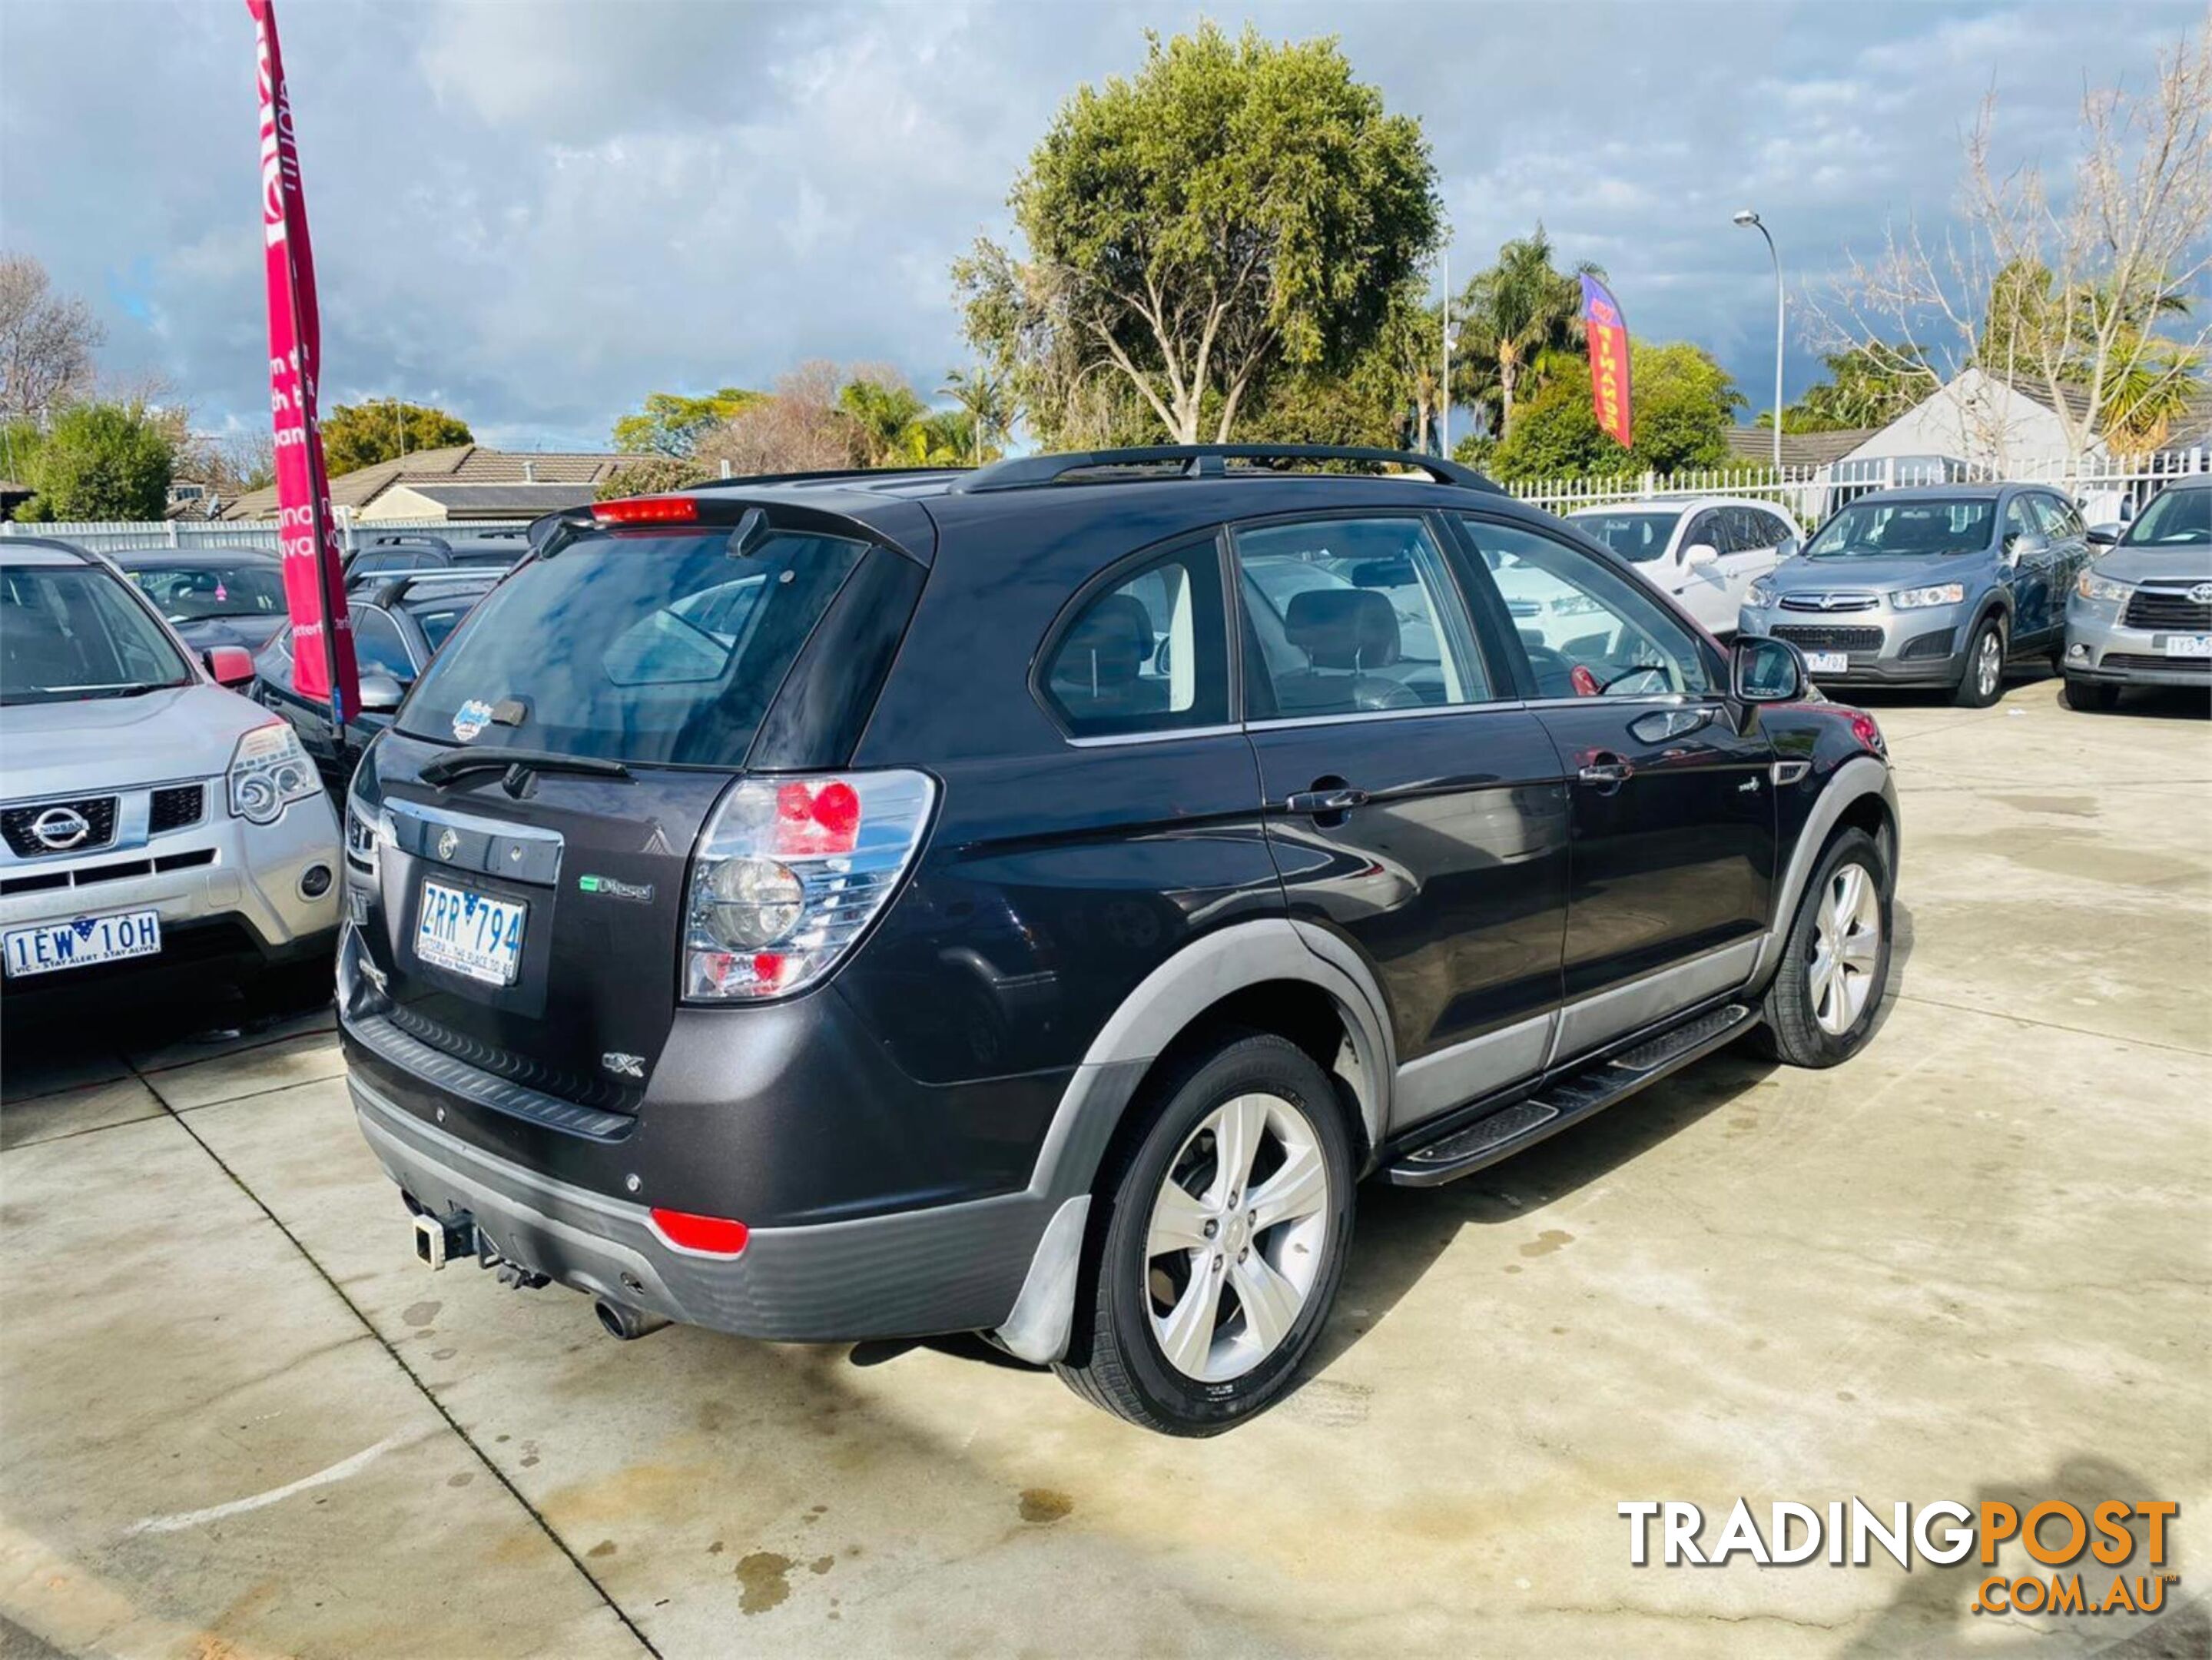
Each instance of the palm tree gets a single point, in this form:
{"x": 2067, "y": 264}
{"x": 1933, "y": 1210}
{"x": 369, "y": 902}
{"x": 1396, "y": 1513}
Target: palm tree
{"x": 1514, "y": 317}
{"x": 2144, "y": 392}
{"x": 984, "y": 396}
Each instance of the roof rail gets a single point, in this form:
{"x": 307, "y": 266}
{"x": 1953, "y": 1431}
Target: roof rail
{"x": 1205, "y": 461}
{"x": 387, "y": 587}
{"x": 827, "y": 475}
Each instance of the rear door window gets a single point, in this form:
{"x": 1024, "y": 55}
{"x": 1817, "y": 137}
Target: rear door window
{"x": 1146, "y": 652}
{"x": 631, "y": 647}
{"x": 1351, "y": 615}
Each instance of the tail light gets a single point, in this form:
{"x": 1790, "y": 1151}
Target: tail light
{"x": 790, "y": 872}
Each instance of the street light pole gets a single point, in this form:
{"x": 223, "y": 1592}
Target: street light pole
{"x": 1444, "y": 393}
{"x": 1748, "y": 218}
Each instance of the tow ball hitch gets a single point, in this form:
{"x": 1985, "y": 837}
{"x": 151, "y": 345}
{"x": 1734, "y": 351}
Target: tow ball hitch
{"x": 442, "y": 1239}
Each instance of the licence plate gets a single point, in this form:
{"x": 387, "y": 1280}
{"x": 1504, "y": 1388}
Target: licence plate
{"x": 2188, "y": 645}
{"x": 469, "y": 933}
{"x": 81, "y": 943}
{"x": 1827, "y": 662}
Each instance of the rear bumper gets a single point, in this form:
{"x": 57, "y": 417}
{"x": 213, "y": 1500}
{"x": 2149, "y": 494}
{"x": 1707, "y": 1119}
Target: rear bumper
{"x": 904, "y": 1273}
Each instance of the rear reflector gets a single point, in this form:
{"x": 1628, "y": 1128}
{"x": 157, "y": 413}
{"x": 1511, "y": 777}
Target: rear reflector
{"x": 709, "y": 1236}
{"x": 647, "y": 510}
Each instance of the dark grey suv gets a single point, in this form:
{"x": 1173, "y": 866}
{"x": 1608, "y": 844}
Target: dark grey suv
{"x": 891, "y": 904}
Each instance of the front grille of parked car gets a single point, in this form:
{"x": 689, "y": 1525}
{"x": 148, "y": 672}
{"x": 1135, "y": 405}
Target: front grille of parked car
{"x": 2143, "y": 659}
{"x": 176, "y": 806}
{"x": 2168, "y": 608}
{"x": 99, "y": 811}
{"x": 579, "y": 1089}
{"x": 1829, "y": 602}
{"x": 1830, "y": 639}
{"x": 1938, "y": 644}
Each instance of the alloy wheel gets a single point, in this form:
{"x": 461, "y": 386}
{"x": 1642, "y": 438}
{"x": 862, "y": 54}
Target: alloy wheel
{"x": 1989, "y": 663}
{"x": 1236, "y": 1237}
{"x": 1846, "y": 949}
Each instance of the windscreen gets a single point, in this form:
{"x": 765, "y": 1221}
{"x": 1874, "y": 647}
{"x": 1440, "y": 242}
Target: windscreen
{"x": 191, "y": 593}
{"x": 1639, "y": 536}
{"x": 2177, "y": 518}
{"x": 71, "y": 632}
{"x": 632, "y": 646}
{"x": 1867, "y": 530}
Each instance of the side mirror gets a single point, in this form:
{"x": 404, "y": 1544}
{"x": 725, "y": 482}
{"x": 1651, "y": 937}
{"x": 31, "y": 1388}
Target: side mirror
{"x": 231, "y": 665}
{"x": 1786, "y": 549}
{"x": 1700, "y": 554}
{"x": 2104, "y": 536}
{"x": 380, "y": 694}
{"x": 1762, "y": 670}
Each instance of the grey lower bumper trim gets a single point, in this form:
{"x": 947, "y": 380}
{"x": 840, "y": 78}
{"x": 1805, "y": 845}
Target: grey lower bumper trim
{"x": 952, "y": 1267}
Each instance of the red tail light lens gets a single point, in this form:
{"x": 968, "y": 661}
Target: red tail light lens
{"x": 647, "y": 510}
{"x": 817, "y": 818}
{"x": 709, "y": 1236}
{"x": 1868, "y": 735}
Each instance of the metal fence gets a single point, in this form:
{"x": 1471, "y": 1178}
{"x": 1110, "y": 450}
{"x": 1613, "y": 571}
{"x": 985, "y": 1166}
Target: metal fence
{"x": 2108, "y": 491}
{"x": 115, "y": 535}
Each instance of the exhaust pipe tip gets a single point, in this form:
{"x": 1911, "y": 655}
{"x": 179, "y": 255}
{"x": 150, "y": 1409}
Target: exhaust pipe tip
{"x": 624, "y": 1323}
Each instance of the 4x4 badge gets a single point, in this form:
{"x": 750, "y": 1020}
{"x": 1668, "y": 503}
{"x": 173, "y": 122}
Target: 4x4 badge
{"x": 608, "y": 888}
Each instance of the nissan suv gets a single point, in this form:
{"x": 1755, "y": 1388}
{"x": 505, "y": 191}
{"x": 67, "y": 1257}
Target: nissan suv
{"x": 884, "y": 905}
{"x": 152, "y": 821}
{"x": 1944, "y": 586}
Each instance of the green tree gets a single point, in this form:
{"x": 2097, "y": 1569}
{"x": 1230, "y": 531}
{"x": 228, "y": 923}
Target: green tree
{"x": 652, "y": 475}
{"x": 988, "y": 402}
{"x": 1684, "y": 402}
{"x": 102, "y": 461}
{"x": 881, "y": 407}
{"x": 672, "y": 423}
{"x": 1519, "y": 320}
{"x": 356, "y": 435}
{"x": 1236, "y": 210}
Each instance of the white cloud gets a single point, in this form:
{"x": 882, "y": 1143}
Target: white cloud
{"x": 536, "y": 212}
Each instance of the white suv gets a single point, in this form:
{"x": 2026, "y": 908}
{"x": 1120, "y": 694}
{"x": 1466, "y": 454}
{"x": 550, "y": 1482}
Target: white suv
{"x": 1705, "y": 550}
{"x": 149, "y": 819}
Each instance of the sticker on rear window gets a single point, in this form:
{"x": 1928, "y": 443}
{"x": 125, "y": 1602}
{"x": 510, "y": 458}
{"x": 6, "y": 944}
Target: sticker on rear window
{"x": 472, "y": 718}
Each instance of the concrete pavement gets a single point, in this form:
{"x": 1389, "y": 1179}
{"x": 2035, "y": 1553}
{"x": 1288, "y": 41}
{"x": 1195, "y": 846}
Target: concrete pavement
{"x": 238, "y": 1418}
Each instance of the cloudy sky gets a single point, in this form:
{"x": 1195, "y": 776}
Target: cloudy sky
{"x": 535, "y": 211}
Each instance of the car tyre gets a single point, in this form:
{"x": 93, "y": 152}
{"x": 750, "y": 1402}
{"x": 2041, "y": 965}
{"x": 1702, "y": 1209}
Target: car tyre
{"x": 1821, "y": 1007}
{"x": 1982, "y": 681}
{"x": 1157, "y": 1341}
{"x": 2091, "y": 696}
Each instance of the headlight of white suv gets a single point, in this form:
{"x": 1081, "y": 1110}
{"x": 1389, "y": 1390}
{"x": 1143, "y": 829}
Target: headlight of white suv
{"x": 1759, "y": 595}
{"x": 1943, "y": 593}
{"x": 268, "y": 772}
{"x": 2090, "y": 585}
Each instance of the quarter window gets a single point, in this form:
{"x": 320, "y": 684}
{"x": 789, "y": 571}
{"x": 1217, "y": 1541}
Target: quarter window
{"x": 1348, "y": 616}
{"x": 1588, "y": 632}
{"x": 1147, "y": 652}
{"x": 377, "y": 647}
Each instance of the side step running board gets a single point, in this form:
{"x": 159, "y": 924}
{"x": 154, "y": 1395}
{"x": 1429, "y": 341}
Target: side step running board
{"x": 1563, "y": 1101}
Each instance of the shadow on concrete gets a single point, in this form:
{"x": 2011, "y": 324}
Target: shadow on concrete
{"x": 1933, "y": 1610}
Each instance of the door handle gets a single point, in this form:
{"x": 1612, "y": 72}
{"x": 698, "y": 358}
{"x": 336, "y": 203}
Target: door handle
{"x": 1605, "y": 772}
{"x": 1342, "y": 800}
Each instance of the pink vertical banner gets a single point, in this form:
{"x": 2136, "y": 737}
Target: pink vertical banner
{"x": 314, "y": 579}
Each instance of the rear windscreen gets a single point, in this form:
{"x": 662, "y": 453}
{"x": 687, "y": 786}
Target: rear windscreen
{"x": 637, "y": 646}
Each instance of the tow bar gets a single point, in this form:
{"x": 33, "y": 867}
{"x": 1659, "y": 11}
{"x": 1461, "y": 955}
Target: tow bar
{"x": 456, "y": 1237}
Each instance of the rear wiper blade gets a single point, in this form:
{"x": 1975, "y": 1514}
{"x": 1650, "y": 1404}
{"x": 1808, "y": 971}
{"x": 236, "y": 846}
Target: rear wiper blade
{"x": 519, "y": 765}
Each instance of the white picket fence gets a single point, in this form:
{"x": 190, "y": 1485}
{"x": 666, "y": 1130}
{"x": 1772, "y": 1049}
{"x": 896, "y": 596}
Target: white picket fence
{"x": 2108, "y": 491}
{"x": 114, "y": 536}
